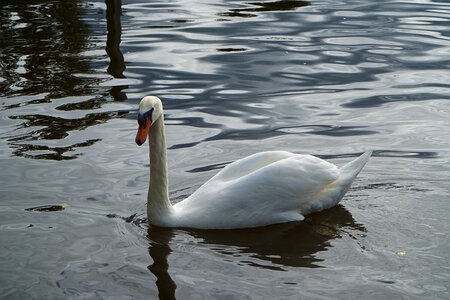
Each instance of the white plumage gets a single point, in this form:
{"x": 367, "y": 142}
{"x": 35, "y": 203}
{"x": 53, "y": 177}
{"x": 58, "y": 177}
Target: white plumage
{"x": 262, "y": 189}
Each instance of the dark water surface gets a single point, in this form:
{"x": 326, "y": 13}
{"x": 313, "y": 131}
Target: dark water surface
{"x": 330, "y": 78}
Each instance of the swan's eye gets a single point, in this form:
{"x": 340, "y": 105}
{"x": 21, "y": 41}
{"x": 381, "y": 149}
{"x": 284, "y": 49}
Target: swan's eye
{"x": 141, "y": 120}
{"x": 149, "y": 115}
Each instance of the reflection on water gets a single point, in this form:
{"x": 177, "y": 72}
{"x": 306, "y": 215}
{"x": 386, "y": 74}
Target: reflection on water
{"x": 273, "y": 247}
{"x": 292, "y": 244}
{"x": 53, "y": 128}
{"x": 264, "y": 7}
{"x": 45, "y": 56}
{"x": 117, "y": 63}
{"x": 42, "y": 46}
{"x": 159, "y": 251}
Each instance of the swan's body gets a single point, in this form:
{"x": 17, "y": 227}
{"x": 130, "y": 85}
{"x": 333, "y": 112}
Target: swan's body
{"x": 262, "y": 189}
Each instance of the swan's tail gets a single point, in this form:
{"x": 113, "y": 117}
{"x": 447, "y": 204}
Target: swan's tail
{"x": 333, "y": 192}
{"x": 352, "y": 169}
{"x": 337, "y": 189}
{"x": 349, "y": 173}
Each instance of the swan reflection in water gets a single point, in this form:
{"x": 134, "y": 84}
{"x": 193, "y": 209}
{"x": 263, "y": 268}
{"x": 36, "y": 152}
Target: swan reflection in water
{"x": 273, "y": 247}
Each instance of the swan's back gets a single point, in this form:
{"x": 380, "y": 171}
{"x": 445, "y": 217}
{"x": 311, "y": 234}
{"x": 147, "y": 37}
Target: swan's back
{"x": 266, "y": 188}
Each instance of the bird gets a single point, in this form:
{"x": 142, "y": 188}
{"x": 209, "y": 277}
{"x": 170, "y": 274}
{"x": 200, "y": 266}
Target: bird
{"x": 265, "y": 188}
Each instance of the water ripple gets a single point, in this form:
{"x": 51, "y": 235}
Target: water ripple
{"x": 330, "y": 78}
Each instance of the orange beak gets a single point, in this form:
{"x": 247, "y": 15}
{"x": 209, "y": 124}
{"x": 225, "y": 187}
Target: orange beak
{"x": 142, "y": 132}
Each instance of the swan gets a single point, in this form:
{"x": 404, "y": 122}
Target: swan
{"x": 262, "y": 189}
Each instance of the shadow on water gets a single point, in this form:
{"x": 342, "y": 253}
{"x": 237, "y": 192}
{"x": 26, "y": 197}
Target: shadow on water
{"x": 44, "y": 65}
{"x": 273, "y": 247}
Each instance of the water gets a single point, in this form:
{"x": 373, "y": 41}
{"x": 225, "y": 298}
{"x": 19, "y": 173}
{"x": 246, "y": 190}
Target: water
{"x": 322, "y": 77}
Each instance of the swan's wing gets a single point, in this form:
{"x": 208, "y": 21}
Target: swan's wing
{"x": 249, "y": 164}
{"x": 293, "y": 183}
{"x": 285, "y": 186}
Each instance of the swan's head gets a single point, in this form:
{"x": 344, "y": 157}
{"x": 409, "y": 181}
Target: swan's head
{"x": 150, "y": 109}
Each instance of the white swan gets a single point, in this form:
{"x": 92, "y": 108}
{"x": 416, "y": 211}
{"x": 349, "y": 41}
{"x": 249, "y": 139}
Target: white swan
{"x": 262, "y": 189}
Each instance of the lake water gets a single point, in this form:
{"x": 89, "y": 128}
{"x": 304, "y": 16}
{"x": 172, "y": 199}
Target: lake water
{"x": 329, "y": 78}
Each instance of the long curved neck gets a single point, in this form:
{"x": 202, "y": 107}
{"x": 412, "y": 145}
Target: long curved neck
{"x": 158, "y": 203}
